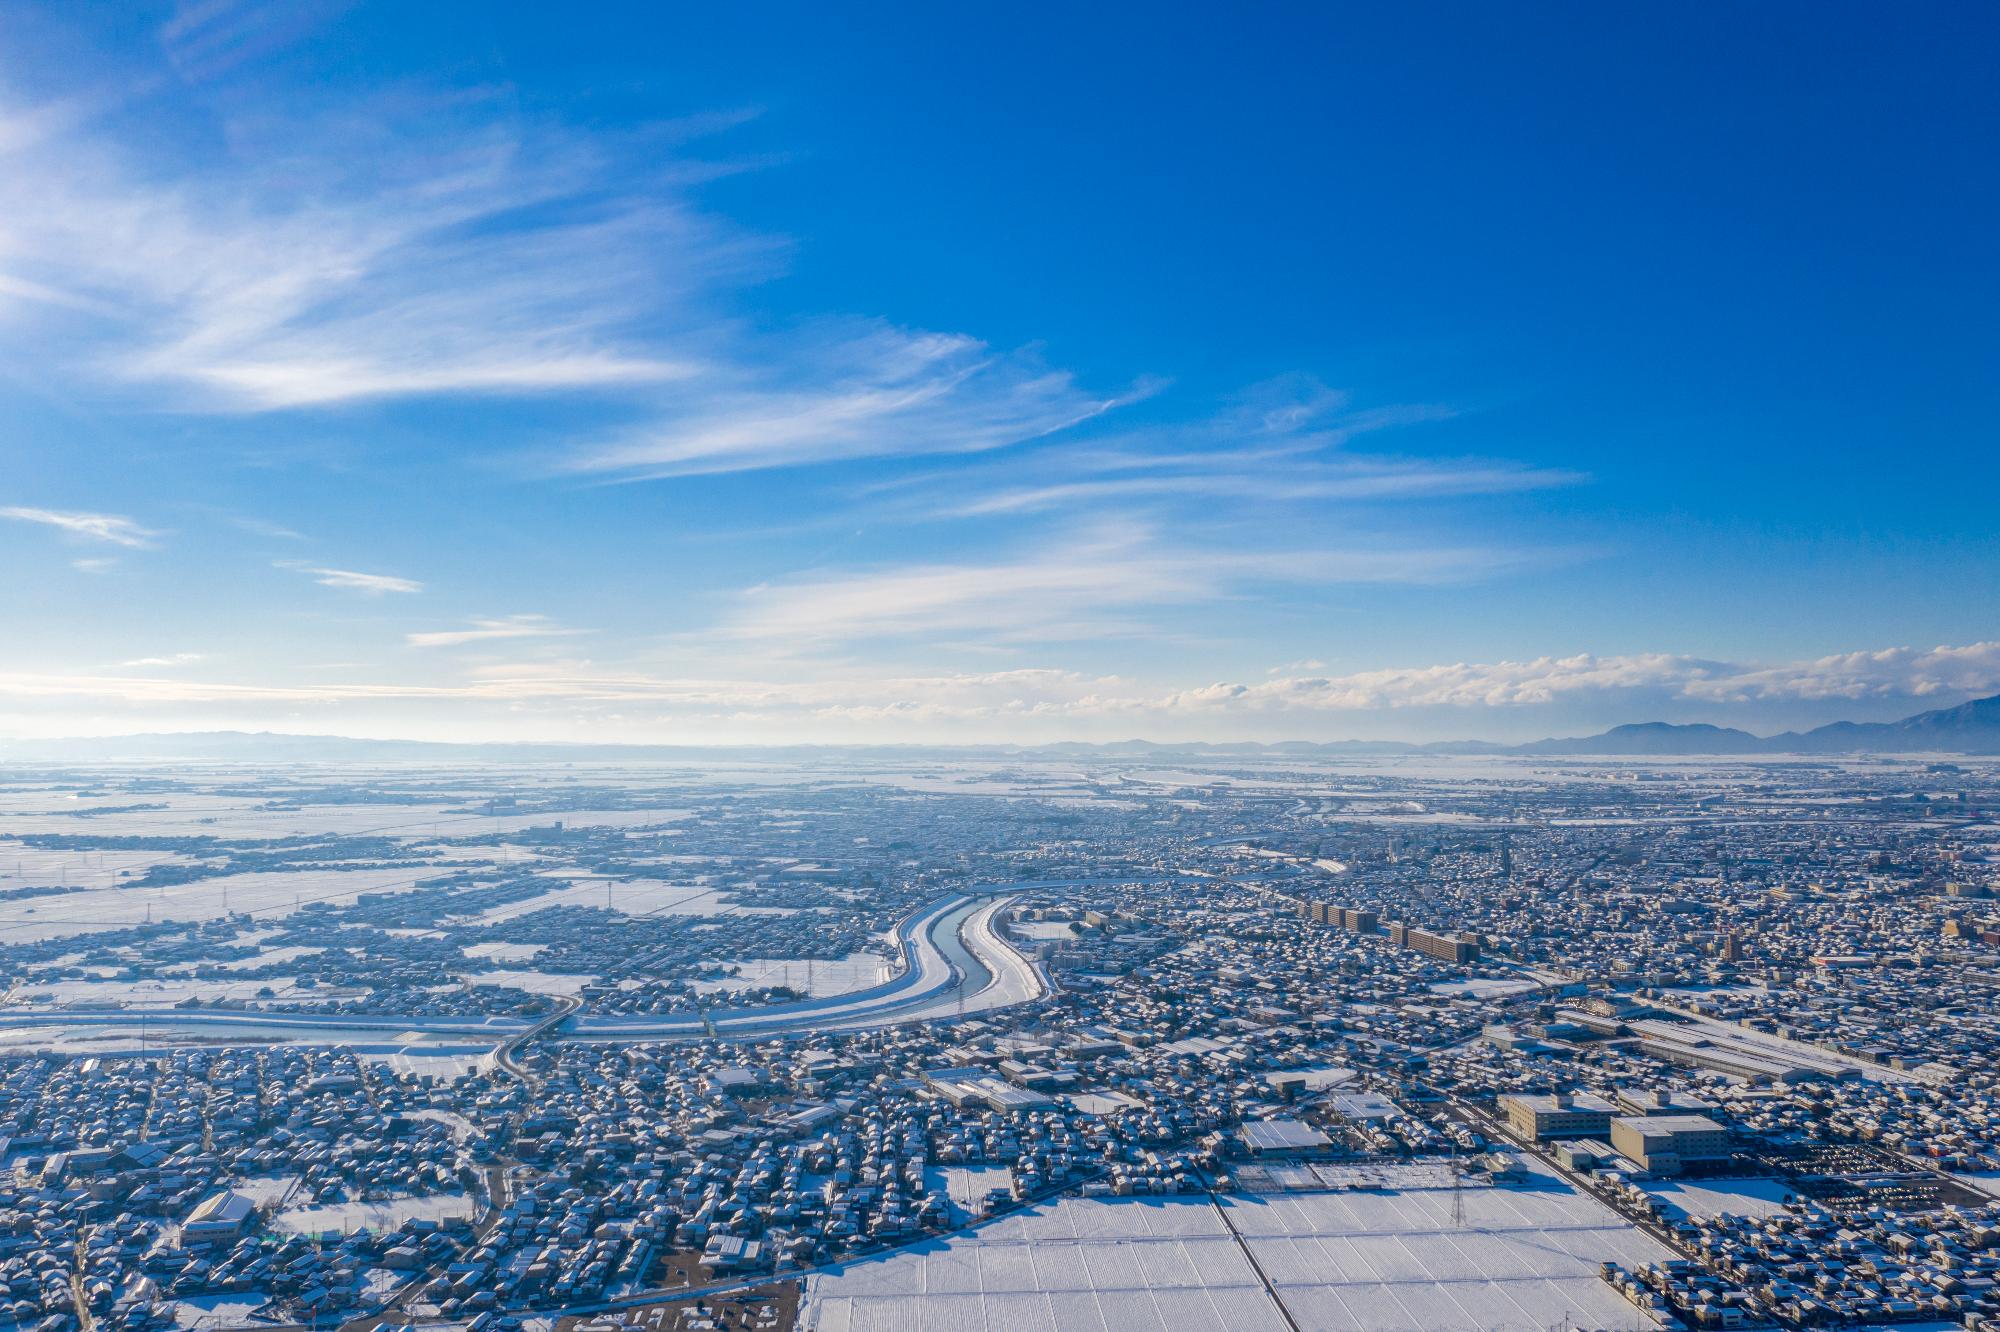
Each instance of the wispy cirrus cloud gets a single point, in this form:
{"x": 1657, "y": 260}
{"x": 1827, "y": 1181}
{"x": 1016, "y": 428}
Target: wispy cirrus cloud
{"x": 107, "y": 527}
{"x": 172, "y": 659}
{"x": 444, "y": 246}
{"x": 265, "y": 528}
{"x": 1299, "y": 481}
{"x": 493, "y": 630}
{"x": 1080, "y": 585}
{"x": 349, "y": 580}
{"x": 451, "y": 245}
{"x": 207, "y": 39}
{"x": 1283, "y": 442}
{"x": 866, "y": 391}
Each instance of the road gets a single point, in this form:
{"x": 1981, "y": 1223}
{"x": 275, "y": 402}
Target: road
{"x": 952, "y": 952}
{"x": 953, "y": 956}
{"x": 504, "y": 1053}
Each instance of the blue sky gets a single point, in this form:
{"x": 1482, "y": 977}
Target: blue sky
{"x": 772, "y": 372}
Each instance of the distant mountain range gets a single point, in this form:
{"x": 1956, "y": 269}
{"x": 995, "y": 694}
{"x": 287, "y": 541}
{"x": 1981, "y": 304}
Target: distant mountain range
{"x": 1969, "y": 728}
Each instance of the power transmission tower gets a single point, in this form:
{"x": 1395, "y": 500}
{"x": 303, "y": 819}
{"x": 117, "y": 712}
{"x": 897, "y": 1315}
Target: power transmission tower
{"x": 1457, "y": 1191}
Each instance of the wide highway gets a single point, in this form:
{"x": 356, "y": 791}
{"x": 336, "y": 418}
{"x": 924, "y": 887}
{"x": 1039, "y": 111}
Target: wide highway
{"x": 951, "y": 950}
{"x": 954, "y": 960}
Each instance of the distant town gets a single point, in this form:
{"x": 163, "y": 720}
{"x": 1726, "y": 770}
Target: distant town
{"x": 873, "y": 1040}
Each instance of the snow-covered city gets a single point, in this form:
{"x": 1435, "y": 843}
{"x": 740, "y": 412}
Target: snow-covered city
{"x": 1012, "y": 1041}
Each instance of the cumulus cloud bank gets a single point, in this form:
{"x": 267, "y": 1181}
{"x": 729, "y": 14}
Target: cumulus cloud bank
{"x": 1902, "y": 672}
{"x": 1005, "y": 705}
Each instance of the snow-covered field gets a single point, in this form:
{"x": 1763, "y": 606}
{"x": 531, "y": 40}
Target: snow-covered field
{"x": 1986, "y": 1181}
{"x": 212, "y": 1311}
{"x": 631, "y": 897}
{"x": 446, "y": 1063}
{"x": 505, "y": 952}
{"x": 823, "y": 976}
{"x": 533, "y": 982}
{"x": 1128, "y": 1265}
{"x": 27, "y": 866}
{"x": 1396, "y": 1262}
{"x": 1374, "y": 1261}
{"x": 967, "y": 1186}
{"x": 167, "y": 993}
{"x": 1486, "y": 987}
{"x": 34, "y": 919}
{"x": 1714, "y": 1197}
{"x": 345, "y": 1218}
{"x": 203, "y": 815}
{"x": 267, "y": 1191}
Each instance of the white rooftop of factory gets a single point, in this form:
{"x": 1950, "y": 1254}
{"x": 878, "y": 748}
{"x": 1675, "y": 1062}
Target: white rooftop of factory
{"x": 1364, "y": 1105}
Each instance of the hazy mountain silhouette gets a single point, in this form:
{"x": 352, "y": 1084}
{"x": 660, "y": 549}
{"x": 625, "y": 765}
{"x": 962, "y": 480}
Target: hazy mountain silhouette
{"x": 1969, "y": 728}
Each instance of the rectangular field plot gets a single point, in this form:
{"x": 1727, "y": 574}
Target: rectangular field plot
{"x": 1389, "y": 1261}
{"x": 1373, "y": 1261}
{"x": 1095, "y": 1266}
